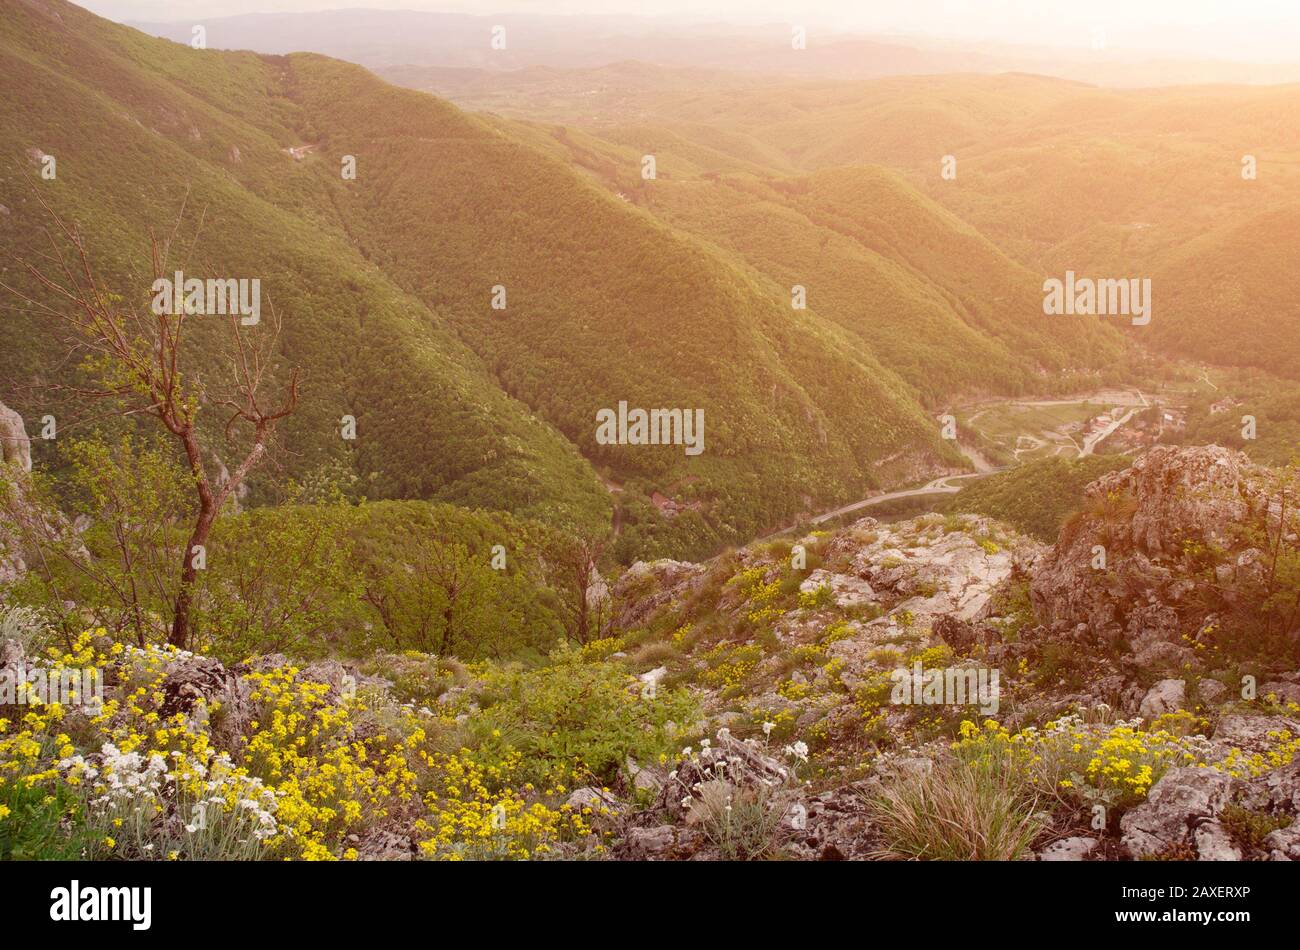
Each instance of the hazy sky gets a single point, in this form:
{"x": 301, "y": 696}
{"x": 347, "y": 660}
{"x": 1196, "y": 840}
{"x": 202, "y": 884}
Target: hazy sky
{"x": 1247, "y": 30}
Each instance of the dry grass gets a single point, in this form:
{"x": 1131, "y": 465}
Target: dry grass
{"x": 956, "y": 812}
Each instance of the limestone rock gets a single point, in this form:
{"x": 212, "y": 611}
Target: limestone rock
{"x": 15, "y": 447}
{"x": 190, "y": 678}
{"x": 1183, "y": 799}
{"x": 1165, "y": 697}
{"x": 846, "y": 590}
{"x": 1213, "y": 843}
{"x": 647, "y": 586}
{"x": 1144, "y": 516}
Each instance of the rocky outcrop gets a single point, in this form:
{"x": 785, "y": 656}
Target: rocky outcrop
{"x": 845, "y": 589}
{"x": 927, "y": 571}
{"x": 646, "y": 587}
{"x": 15, "y": 447}
{"x": 193, "y": 684}
{"x": 1185, "y": 813}
{"x": 1135, "y": 568}
{"x": 831, "y": 826}
{"x": 1182, "y": 801}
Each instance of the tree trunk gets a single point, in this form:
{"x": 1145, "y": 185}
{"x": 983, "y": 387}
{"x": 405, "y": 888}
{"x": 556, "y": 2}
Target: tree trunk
{"x": 180, "y": 633}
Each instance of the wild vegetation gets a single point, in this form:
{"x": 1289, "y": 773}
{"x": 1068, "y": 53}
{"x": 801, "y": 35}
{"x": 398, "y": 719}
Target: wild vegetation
{"x": 1036, "y": 497}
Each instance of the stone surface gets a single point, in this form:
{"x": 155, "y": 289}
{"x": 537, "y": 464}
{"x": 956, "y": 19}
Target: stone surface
{"x": 15, "y": 447}
{"x": 647, "y": 586}
{"x": 846, "y": 590}
{"x": 1143, "y": 516}
{"x": 1165, "y": 696}
{"x": 1213, "y": 843}
{"x": 1181, "y": 800}
{"x": 1068, "y": 849}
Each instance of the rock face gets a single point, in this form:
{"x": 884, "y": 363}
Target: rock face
{"x": 16, "y": 450}
{"x": 1183, "y": 800}
{"x": 15, "y": 447}
{"x": 846, "y": 590}
{"x": 1150, "y": 522}
{"x": 647, "y": 586}
{"x": 930, "y": 572}
{"x": 1185, "y": 810}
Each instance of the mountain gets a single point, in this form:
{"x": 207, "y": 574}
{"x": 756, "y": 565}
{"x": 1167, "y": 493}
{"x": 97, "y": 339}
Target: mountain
{"x": 141, "y": 128}
{"x": 385, "y": 284}
{"x": 1168, "y": 184}
{"x": 410, "y": 39}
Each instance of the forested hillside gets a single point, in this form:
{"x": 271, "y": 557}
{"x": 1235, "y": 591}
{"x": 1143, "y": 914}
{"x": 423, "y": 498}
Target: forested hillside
{"x": 148, "y": 137}
{"x": 385, "y": 284}
{"x": 1192, "y": 187}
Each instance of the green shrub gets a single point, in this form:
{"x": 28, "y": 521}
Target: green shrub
{"x": 580, "y": 721}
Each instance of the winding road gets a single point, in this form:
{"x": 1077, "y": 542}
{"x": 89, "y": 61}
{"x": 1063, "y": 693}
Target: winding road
{"x": 1135, "y": 399}
{"x": 940, "y": 486}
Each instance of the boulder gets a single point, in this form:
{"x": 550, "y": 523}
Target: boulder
{"x": 846, "y": 590}
{"x": 1183, "y": 799}
{"x": 1162, "y": 657}
{"x": 191, "y": 678}
{"x": 1165, "y": 697}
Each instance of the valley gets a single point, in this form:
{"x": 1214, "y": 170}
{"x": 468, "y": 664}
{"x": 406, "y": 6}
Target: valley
{"x": 642, "y": 441}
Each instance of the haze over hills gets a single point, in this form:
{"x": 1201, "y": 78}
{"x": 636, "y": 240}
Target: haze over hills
{"x": 408, "y": 38}
{"x": 920, "y": 291}
{"x": 1058, "y": 175}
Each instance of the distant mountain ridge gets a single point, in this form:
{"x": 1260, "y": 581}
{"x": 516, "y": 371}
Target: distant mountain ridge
{"x": 390, "y": 38}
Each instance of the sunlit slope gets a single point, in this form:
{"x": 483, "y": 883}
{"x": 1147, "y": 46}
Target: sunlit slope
{"x": 136, "y": 126}
{"x": 1233, "y": 295}
{"x": 384, "y": 285}
{"x": 933, "y": 299}
{"x": 1059, "y": 176}
{"x": 604, "y": 303}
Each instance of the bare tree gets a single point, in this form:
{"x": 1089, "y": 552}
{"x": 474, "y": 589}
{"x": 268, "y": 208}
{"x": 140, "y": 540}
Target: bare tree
{"x": 137, "y": 353}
